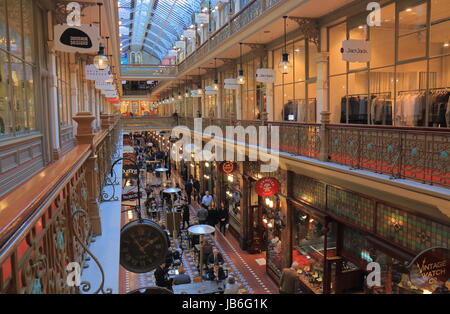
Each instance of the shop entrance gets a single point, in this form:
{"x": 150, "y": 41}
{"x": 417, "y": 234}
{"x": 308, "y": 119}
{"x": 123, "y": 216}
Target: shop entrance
{"x": 255, "y": 225}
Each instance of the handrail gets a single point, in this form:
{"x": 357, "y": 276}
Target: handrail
{"x": 40, "y": 231}
{"x": 414, "y": 153}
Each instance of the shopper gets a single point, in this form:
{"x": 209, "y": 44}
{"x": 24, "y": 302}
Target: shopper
{"x": 207, "y": 199}
{"x": 162, "y": 277}
{"x": 202, "y": 215}
{"x": 222, "y": 215}
{"x": 186, "y": 215}
{"x": 188, "y": 188}
{"x": 196, "y": 185}
{"x": 212, "y": 219}
{"x": 289, "y": 280}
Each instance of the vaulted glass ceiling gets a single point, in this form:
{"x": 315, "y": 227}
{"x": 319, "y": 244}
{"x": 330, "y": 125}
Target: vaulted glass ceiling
{"x": 154, "y": 25}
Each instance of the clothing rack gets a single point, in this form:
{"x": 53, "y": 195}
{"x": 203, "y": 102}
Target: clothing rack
{"x": 423, "y": 90}
{"x": 378, "y": 93}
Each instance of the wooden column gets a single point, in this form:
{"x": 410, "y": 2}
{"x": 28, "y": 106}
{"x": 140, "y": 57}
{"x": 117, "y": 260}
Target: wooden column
{"x": 85, "y": 135}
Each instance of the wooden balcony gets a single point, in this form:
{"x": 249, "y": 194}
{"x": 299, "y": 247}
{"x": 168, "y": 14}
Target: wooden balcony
{"x": 48, "y": 221}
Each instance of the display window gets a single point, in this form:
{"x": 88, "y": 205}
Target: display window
{"x": 395, "y": 277}
{"x": 17, "y": 57}
{"x": 274, "y": 223}
{"x": 406, "y": 81}
{"x": 294, "y": 98}
{"x": 312, "y": 244}
{"x": 233, "y": 196}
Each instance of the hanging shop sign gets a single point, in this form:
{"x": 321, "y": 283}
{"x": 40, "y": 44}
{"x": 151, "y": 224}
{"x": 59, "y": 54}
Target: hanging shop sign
{"x": 94, "y": 74}
{"x": 231, "y": 83}
{"x": 131, "y": 196}
{"x": 354, "y": 50}
{"x": 209, "y": 90}
{"x": 194, "y": 93}
{"x": 104, "y": 85}
{"x": 228, "y": 167}
{"x": 81, "y": 39}
{"x": 266, "y": 187}
{"x": 430, "y": 269}
{"x": 201, "y": 18}
{"x": 265, "y": 75}
{"x": 189, "y": 33}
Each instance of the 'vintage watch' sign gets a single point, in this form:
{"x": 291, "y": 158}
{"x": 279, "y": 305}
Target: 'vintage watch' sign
{"x": 354, "y": 50}
{"x": 430, "y": 269}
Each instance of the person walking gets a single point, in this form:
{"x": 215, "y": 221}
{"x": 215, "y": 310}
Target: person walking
{"x": 162, "y": 277}
{"x": 212, "y": 218}
{"x": 289, "y": 280}
{"x": 207, "y": 199}
{"x": 202, "y": 215}
{"x": 188, "y": 188}
{"x": 186, "y": 215}
{"x": 196, "y": 185}
{"x": 223, "y": 216}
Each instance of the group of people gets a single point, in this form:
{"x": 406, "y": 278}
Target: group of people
{"x": 211, "y": 212}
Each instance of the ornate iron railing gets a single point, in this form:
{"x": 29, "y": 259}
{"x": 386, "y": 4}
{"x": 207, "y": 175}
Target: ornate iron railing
{"x": 248, "y": 14}
{"x": 39, "y": 241}
{"x": 419, "y": 154}
{"x": 148, "y": 71}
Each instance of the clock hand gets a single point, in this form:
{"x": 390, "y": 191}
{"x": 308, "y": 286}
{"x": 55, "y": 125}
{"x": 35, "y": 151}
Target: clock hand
{"x": 138, "y": 244}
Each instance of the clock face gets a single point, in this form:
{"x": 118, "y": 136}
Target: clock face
{"x": 143, "y": 246}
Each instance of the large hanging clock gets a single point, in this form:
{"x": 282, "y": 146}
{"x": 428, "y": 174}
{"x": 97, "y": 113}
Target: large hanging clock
{"x": 143, "y": 246}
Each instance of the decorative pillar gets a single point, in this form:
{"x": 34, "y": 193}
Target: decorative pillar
{"x": 322, "y": 102}
{"x": 85, "y": 135}
{"x": 53, "y": 108}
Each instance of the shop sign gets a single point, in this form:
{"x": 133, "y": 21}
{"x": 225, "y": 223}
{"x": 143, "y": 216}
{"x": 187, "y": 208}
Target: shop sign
{"x": 195, "y": 94}
{"x": 104, "y": 85}
{"x": 201, "y": 18}
{"x": 430, "y": 269}
{"x": 209, "y": 90}
{"x": 265, "y": 75}
{"x": 94, "y": 74}
{"x": 266, "y": 187}
{"x": 131, "y": 196}
{"x": 231, "y": 83}
{"x": 82, "y": 39}
{"x": 228, "y": 167}
{"x": 189, "y": 33}
{"x": 354, "y": 50}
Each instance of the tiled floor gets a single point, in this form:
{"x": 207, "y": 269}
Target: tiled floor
{"x": 243, "y": 266}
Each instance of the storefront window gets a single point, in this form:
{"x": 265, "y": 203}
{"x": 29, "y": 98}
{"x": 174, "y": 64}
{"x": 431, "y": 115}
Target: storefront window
{"x": 6, "y": 124}
{"x": 397, "y": 92}
{"x": 337, "y": 35}
{"x": 382, "y": 39}
{"x": 412, "y": 32}
{"x": 308, "y": 250}
{"x": 274, "y": 223}
{"x": 17, "y": 105}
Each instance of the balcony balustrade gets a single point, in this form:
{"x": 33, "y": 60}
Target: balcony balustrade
{"x": 419, "y": 154}
{"x": 52, "y": 224}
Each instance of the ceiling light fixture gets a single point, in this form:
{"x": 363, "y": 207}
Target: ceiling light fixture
{"x": 241, "y": 78}
{"x": 285, "y": 66}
